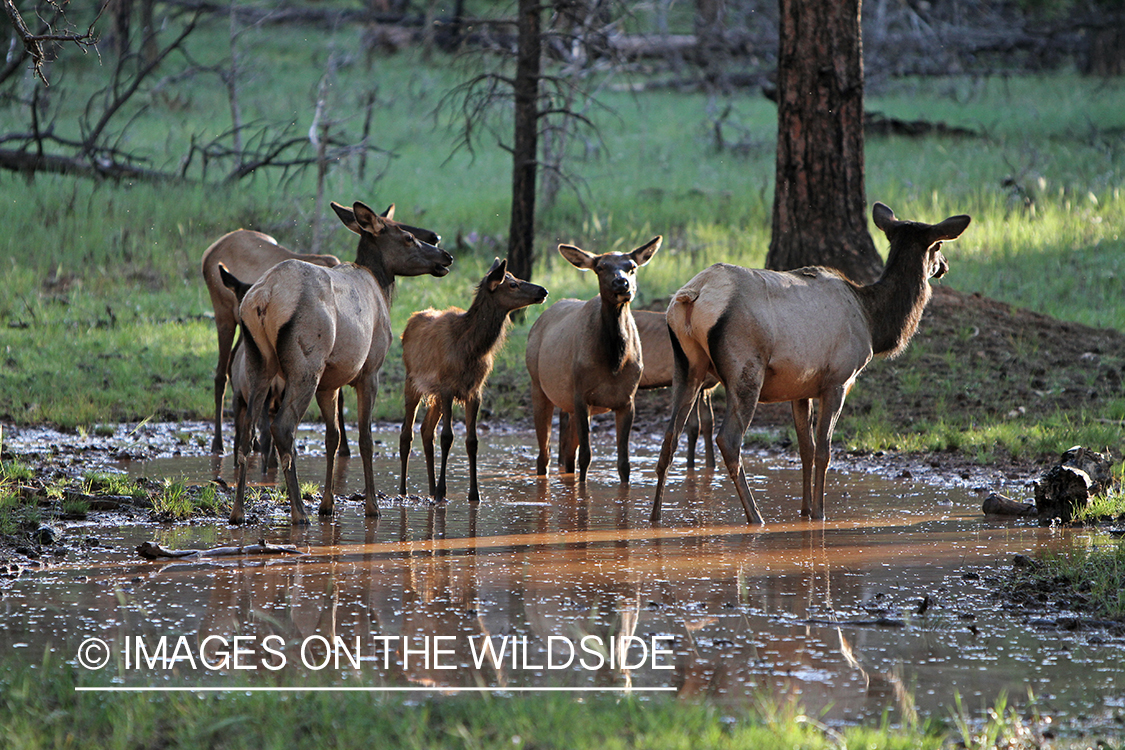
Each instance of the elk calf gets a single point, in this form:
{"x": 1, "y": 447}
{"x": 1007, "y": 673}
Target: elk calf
{"x": 321, "y": 329}
{"x": 794, "y": 336}
{"x": 448, "y": 356}
{"x": 585, "y": 357}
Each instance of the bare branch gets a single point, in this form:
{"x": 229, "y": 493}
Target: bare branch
{"x": 33, "y": 42}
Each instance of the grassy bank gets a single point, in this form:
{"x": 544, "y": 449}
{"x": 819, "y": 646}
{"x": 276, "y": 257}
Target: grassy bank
{"x": 43, "y": 710}
{"x": 104, "y": 316}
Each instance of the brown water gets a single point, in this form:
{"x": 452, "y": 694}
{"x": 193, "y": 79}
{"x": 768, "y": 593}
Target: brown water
{"x": 792, "y": 609}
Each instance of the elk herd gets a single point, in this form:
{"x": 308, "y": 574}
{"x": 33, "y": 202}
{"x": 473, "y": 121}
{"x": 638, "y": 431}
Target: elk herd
{"x": 310, "y": 324}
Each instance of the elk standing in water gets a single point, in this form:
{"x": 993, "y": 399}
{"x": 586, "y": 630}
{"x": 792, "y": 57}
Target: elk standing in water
{"x": 321, "y": 329}
{"x": 247, "y": 255}
{"x": 794, "y": 336}
{"x": 448, "y": 356}
{"x": 584, "y": 357}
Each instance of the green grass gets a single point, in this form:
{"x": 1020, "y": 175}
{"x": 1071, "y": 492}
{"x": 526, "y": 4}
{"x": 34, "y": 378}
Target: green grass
{"x": 1092, "y": 575}
{"x": 41, "y": 709}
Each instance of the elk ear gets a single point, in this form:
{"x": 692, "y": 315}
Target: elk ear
{"x": 496, "y": 274}
{"x": 578, "y": 257}
{"x": 347, "y": 216}
{"x": 883, "y": 216}
{"x": 389, "y": 213}
{"x": 368, "y": 220}
{"x": 644, "y": 253}
{"x": 951, "y": 228}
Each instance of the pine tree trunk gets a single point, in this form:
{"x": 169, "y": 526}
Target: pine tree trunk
{"x": 525, "y": 148}
{"x": 819, "y": 209}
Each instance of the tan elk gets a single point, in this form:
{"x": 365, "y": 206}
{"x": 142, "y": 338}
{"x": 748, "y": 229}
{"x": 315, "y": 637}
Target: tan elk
{"x": 794, "y": 336}
{"x": 584, "y": 357}
{"x": 321, "y": 329}
{"x": 448, "y": 356}
{"x": 247, "y": 255}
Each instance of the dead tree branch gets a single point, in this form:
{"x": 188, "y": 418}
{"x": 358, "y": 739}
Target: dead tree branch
{"x": 37, "y": 44}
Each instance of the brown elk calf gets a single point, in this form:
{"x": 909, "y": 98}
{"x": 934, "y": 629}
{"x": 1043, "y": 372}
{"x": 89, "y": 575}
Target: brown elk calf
{"x": 448, "y": 356}
{"x": 321, "y": 329}
{"x": 584, "y": 357}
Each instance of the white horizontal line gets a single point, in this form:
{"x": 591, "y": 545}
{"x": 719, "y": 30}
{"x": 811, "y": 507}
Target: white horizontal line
{"x": 438, "y": 689}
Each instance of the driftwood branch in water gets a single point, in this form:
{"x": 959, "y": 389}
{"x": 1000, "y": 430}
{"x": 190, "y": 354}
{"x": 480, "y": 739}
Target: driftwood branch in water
{"x": 153, "y": 551}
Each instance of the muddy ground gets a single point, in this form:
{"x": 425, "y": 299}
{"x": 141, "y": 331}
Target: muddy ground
{"x": 971, "y": 357}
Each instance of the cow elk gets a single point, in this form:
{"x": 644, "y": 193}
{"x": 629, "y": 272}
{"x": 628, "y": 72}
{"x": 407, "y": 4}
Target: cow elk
{"x": 448, "y": 356}
{"x": 584, "y": 357}
{"x": 247, "y": 255}
{"x": 794, "y": 336}
{"x": 321, "y": 329}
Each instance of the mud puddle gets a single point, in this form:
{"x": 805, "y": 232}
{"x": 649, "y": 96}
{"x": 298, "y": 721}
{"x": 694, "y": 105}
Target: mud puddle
{"x": 551, "y": 583}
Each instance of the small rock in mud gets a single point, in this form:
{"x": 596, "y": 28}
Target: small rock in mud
{"x": 1000, "y": 505}
{"x": 44, "y": 536}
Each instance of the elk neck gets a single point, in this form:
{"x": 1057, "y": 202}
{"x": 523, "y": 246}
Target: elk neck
{"x": 613, "y": 333}
{"x": 482, "y": 327}
{"x": 370, "y": 256}
{"x": 894, "y": 304}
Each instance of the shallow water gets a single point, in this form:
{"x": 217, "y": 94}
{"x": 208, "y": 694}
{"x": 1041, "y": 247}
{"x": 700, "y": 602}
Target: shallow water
{"x": 825, "y": 612}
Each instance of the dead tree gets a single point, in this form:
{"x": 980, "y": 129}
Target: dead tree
{"x": 543, "y": 99}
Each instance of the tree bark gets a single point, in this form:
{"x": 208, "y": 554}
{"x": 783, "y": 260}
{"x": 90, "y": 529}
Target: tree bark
{"x": 819, "y": 209}
{"x": 525, "y": 147}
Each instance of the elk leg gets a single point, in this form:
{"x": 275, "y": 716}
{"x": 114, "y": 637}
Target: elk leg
{"x": 564, "y": 427}
{"x": 327, "y": 401}
{"x": 446, "y": 441}
{"x": 624, "y": 427}
{"x": 365, "y": 396}
{"x": 707, "y": 426}
{"x": 411, "y": 398}
{"x": 831, "y": 403}
{"x": 472, "y": 407}
{"x": 265, "y": 439}
{"x": 568, "y": 443}
{"x": 222, "y": 372}
{"x": 802, "y": 422}
{"x": 343, "y": 450}
{"x": 298, "y": 394}
{"x": 685, "y": 388}
{"x": 241, "y": 407}
{"x": 692, "y": 432}
{"x": 742, "y": 399}
{"x": 429, "y": 425}
{"x": 259, "y": 387}
{"x": 581, "y": 421}
{"x": 542, "y": 410}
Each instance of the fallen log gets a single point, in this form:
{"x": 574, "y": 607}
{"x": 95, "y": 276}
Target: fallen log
{"x": 153, "y": 551}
